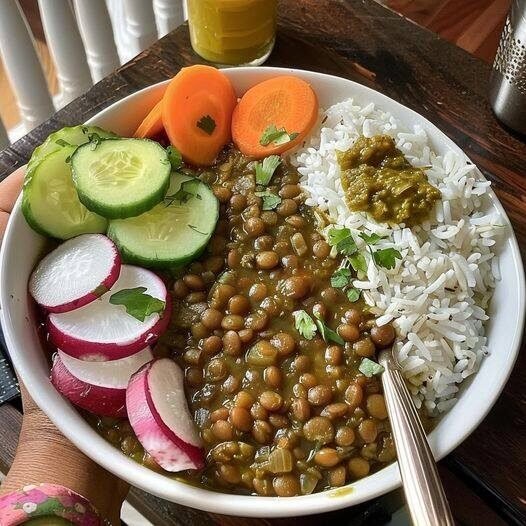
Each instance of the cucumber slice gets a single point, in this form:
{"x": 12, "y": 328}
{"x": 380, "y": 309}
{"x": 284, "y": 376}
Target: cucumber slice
{"x": 173, "y": 233}
{"x": 73, "y": 135}
{"x": 50, "y": 202}
{"x": 119, "y": 178}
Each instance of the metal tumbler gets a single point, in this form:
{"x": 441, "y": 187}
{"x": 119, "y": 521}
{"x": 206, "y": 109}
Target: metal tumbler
{"x": 508, "y": 77}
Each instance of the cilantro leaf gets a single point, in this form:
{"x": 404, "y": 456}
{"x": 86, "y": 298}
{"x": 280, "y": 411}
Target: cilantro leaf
{"x": 341, "y": 278}
{"x": 386, "y": 257}
{"x": 370, "y": 368}
{"x": 304, "y": 324}
{"x": 353, "y": 294}
{"x": 270, "y": 200}
{"x": 266, "y": 169}
{"x": 175, "y": 157}
{"x": 342, "y": 239}
{"x": 272, "y": 135}
{"x": 371, "y": 239}
{"x": 337, "y": 234}
{"x": 327, "y": 333}
{"x": 347, "y": 246}
{"x": 358, "y": 262}
{"x": 186, "y": 191}
{"x": 137, "y": 303}
{"x": 207, "y": 124}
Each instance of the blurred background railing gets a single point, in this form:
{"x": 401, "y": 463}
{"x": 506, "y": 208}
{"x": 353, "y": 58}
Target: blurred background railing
{"x": 52, "y": 51}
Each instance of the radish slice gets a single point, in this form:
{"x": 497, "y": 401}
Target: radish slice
{"x": 159, "y": 415}
{"x": 75, "y": 273}
{"x": 98, "y": 387}
{"x": 102, "y": 331}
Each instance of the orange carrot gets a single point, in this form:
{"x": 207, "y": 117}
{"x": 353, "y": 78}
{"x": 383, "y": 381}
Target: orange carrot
{"x": 197, "y": 113}
{"x": 152, "y": 124}
{"x": 273, "y": 116}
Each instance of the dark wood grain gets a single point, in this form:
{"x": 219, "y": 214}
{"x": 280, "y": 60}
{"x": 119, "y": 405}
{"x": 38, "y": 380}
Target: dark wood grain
{"x": 363, "y": 41}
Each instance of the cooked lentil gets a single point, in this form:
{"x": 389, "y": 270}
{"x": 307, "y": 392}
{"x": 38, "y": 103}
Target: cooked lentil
{"x": 261, "y": 395}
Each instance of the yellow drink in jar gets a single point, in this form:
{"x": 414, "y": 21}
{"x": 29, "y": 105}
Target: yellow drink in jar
{"x": 233, "y": 32}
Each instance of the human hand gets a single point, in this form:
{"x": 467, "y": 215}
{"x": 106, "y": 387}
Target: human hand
{"x": 44, "y": 454}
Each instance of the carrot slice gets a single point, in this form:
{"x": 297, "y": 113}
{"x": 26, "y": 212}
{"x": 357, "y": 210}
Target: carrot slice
{"x": 197, "y": 113}
{"x": 152, "y": 124}
{"x": 282, "y": 103}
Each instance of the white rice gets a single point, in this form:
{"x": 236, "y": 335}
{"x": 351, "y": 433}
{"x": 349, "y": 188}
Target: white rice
{"x": 438, "y": 293}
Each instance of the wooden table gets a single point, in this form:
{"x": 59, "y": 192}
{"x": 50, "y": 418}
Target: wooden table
{"x": 359, "y": 39}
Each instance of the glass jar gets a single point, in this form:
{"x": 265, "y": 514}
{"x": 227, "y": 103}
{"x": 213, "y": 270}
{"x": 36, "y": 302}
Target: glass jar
{"x": 233, "y": 32}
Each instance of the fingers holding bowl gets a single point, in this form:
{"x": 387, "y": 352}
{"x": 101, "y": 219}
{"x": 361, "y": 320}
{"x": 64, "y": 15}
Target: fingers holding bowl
{"x": 10, "y": 188}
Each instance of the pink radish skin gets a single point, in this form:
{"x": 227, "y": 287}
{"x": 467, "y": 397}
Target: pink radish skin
{"x": 176, "y": 447}
{"x": 94, "y": 263}
{"x": 97, "y": 349}
{"x": 105, "y": 396}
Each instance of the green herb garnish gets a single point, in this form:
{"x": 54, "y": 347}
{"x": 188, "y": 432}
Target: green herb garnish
{"x": 327, "y": 333}
{"x": 304, "y": 324}
{"x": 353, "y": 294}
{"x": 265, "y": 170}
{"x": 207, "y": 124}
{"x": 341, "y": 278}
{"x": 386, "y": 257}
{"x": 370, "y": 368}
{"x": 371, "y": 239}
{"x": 337, "y": 234}
{"x": 175, "y": 157}
{"x": 270, "y": 200}
{"x": 272, "y": 135}
{"x": 342, "y": 239}
{"x": 358, "y": 262}
{"x": 137, "y": 303}
{"x": 187, "y": 190}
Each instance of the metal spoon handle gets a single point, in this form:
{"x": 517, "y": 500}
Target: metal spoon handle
{"x": 423, "y": 490}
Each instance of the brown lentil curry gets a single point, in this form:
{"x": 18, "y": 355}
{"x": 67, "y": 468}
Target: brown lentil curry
{"x": 278, "y": 414}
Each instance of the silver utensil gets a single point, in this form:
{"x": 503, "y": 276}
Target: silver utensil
{"x": 423, "y": 490}
{"x": 508, "y": 78}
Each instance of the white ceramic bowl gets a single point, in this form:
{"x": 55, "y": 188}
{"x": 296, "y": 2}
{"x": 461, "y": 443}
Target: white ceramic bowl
{"x": 22, "y": 248}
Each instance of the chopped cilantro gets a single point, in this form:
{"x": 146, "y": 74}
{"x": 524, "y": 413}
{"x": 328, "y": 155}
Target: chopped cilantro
{"x": 137, "y": 303}
{"x": 341, "y": 278}
{"x": 265, "y": 170}
{"x": 342, "y": 239}
{"x": 304, "y": 324}
{"x": 386, "y": 257}
{"x": 272, "y": 135}
{"x": 175, "y": 157}
{"x": 327, "y": 333}
{"x": 338, "y": 234}
{"x": 370, "y": 368}
{"x": 353, "y": 294}
{"x": 207, "y": 124}
{"x": 371, "y": 239}
{"x": 187, "y": 190}
{"x": 270, "y": 200}
{"x": 358, "y": 262}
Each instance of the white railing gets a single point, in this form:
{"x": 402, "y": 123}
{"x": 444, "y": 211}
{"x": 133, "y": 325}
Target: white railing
{"x": 87, "y": 40}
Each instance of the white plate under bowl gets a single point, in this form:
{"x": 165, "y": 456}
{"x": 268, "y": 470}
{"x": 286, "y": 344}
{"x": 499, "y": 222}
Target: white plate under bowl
{"x": 22, "y": 248}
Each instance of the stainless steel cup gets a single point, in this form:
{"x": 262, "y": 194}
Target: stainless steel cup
{"x": 508, "y": 77}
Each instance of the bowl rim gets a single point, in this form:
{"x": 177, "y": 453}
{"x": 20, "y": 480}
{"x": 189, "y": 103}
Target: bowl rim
{"x": 106, "y": 455}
